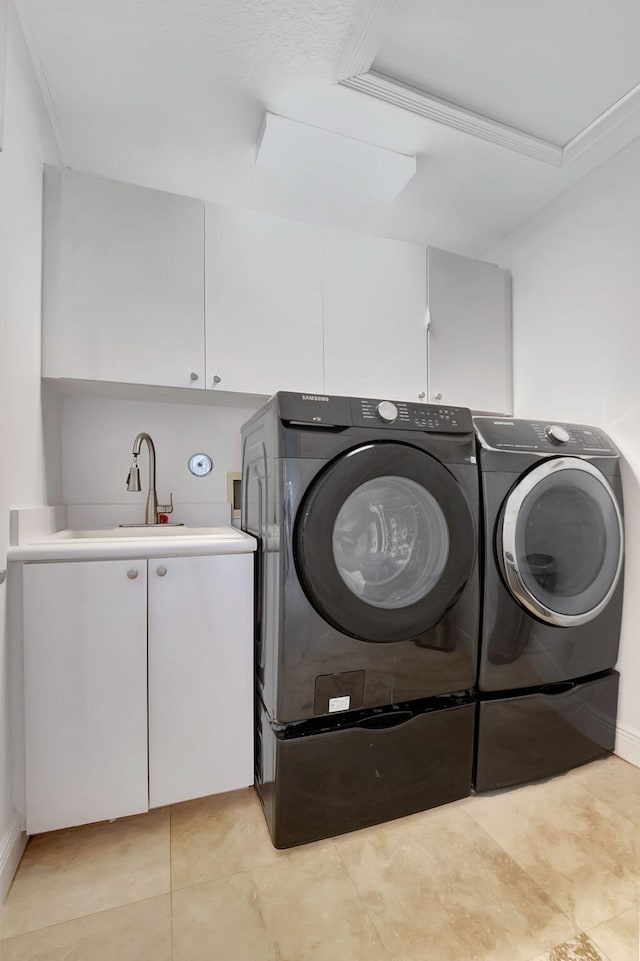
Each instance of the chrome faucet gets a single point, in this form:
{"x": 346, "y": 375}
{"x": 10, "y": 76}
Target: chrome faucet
{"x": 133, "y": 481}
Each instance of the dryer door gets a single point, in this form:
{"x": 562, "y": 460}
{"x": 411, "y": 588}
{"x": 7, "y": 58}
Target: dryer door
{"x": 385, "y": 542}
{"x": 562, "y": 541}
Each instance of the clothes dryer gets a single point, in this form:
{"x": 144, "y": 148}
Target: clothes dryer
{"x": 553, "y": 558}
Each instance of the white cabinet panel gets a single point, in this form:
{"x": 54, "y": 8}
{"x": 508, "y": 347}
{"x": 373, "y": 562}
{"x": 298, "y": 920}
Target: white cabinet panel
{"x": 470, "y": 335}
{"x": 123, "y": 295}
{"x": 200, "y": 676}
{"x": 263, "y": 302}
{"x": 85, "y": 650}
{"x": 3, "y": 58}
{"x": 375, "y": 304}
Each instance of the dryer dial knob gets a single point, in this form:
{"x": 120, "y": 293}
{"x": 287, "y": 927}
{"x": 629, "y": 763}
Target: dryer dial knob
{"x": 557, "y": 434}
{"x": 387, "y": 411}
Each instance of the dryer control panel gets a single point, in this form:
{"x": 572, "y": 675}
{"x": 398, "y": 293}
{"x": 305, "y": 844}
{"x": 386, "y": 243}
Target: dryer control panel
{"x": 539, "y": 436}
{"x": 323, "y": 411}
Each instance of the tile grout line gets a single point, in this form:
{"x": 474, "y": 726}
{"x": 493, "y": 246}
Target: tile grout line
{"x": 546, "y": 898}
{"x": 81, "y": 917}
{"x": 70, "y": 831}
{"x": 258, "y": 905}
{"x": 515, "y": 860}
{"x": 605, "y": 956}
{"x": 235, "y": 874}
{"x": 586, "y": 787}
{"x": 535, "y": 882}
{"x": 364, "y": 906}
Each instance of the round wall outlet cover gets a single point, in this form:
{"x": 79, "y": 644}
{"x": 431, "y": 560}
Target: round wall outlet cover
{"x": 200, "y": 465}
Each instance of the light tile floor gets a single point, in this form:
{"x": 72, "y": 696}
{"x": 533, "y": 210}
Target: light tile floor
{"x": 548, "y": 872}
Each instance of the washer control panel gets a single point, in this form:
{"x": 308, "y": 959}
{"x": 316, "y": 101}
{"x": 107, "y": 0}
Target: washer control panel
{"x": 507, "y": 433}
{"x": 322, "y": 410}
{"x": 557, "y": 434}
{"x": 387, "y": 411}
{"x": 367, "y": 412}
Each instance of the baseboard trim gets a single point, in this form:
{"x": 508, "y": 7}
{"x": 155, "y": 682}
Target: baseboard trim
{"x": 12, "y": 846}
{"x": 628, "y": 744}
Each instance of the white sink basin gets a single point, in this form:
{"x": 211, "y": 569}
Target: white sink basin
{"x": 161, "y": 530}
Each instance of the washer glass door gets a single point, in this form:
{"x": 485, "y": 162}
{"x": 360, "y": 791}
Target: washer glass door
{"x": 562, "y": 541}
{"x": 385, "y": 542}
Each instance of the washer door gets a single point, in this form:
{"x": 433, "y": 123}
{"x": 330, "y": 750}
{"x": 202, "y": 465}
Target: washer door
{"x": 562, "y": 541}
{"x": 385, "y": 542}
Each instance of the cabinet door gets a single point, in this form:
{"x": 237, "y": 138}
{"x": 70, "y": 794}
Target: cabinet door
{"x": 123, "y": 292}
{"x": 200, "y": 676}
{"x": 264, "y": 302}
{"x": 375, "y": 304}
{"x": 85, "y": 654}
{"x": 470, "y": 334}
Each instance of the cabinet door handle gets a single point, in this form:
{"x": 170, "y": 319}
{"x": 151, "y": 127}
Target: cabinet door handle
{"x": 132, "y": 574}
{"x": 421, "y": 395}
{"x": 161, "y": 571}
{"x": 217, "y": 378}
{"x": 437, "y": 396}
{"x": 193, "y": 375}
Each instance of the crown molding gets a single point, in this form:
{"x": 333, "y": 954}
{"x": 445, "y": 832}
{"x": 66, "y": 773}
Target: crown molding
{"x": 622, "y": 110}
{"x": 365, "y": 38}
{"x": 433, "y": 108}
{"x": 38, "y": 69}
{"x": 354, "y": 72}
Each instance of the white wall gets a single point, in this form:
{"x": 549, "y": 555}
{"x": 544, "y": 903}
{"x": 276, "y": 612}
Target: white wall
{"x": 27, "y": 142}
{"x": 576, "y": 316}
{"x": 97, "y": 437}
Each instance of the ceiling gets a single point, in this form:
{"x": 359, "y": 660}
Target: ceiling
{"x": 548, "y": 67}
{"x": 171, "y": 94}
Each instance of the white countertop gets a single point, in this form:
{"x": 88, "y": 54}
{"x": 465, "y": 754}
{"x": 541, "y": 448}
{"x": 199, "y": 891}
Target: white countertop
{"x": 124, "y": 542}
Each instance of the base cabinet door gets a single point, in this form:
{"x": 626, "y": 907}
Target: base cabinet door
{"x": 200, "y": 676}
{"x": 85, "y": 659}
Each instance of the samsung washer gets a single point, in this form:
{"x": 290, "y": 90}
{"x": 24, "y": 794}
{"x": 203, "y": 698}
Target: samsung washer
{"x": 366, "y": 513}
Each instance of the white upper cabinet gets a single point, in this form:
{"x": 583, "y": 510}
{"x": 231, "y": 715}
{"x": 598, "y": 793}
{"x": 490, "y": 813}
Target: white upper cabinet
{"x": 123, "y": 295}
{"x": 263, "y": 302}
{"x": 470, "y": 333}
{"x": 146, "y": 287}
{"x": 375, "y": 302}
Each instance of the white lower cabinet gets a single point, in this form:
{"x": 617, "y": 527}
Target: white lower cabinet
{"x": 200, "y": 676}
{"x": 111, "y": 731}
{"x": 85, "y": 660}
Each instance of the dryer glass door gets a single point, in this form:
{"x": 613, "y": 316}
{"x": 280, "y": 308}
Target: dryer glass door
{"x": 385, "y": 542}
{"x": 562, "y": 541}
